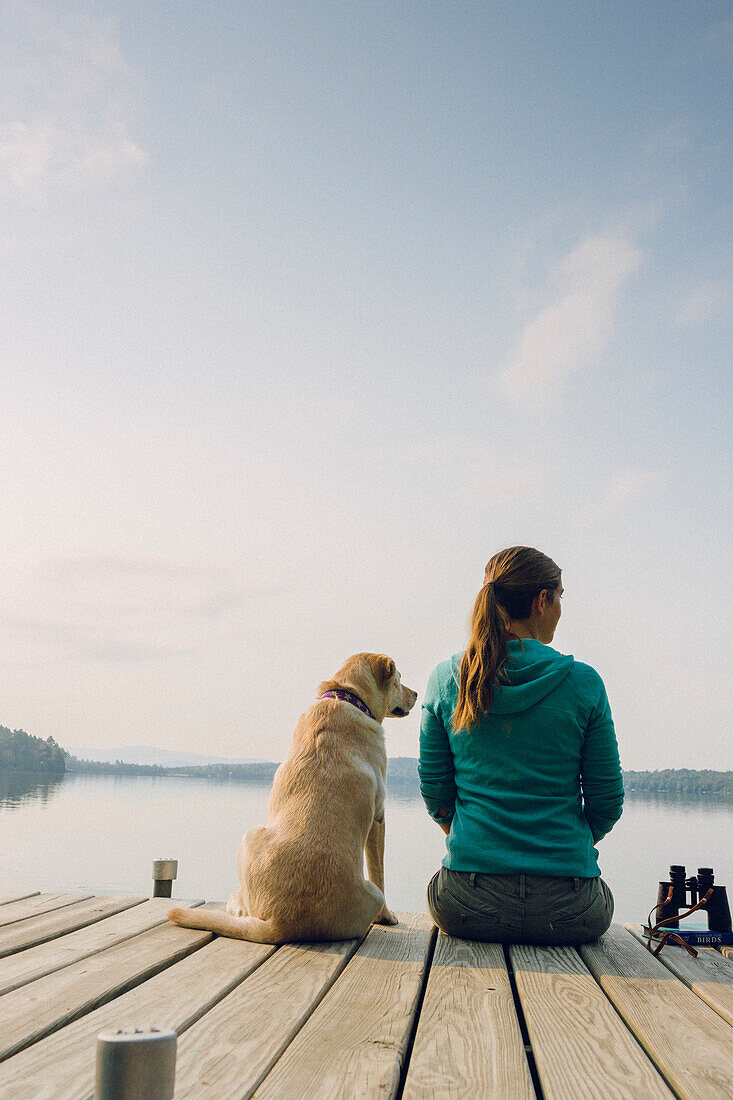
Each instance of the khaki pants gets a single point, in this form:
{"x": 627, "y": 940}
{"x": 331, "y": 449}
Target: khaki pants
{"x": 519, "y": 908}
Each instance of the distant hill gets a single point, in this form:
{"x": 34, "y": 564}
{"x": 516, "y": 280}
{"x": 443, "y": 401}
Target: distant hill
{"x": 147, "y": 754}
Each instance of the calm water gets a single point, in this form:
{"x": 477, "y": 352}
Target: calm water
{"x": 100, "y": 834}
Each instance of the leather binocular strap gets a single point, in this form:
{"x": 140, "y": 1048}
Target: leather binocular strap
{"x": 653, "y": 929}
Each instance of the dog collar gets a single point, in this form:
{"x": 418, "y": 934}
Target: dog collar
{"x": 349, "y": 697}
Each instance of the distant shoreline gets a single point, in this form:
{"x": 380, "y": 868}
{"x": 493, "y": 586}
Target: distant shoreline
{"x": 23, "y": 753}
{"x": 669, "y": 787}
{"x": 402, "y": 772}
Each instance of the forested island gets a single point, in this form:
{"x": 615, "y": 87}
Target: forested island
{"x": 21, "y": 752}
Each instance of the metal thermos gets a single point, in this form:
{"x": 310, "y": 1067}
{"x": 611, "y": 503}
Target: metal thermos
{"x": 135, "y": 1064}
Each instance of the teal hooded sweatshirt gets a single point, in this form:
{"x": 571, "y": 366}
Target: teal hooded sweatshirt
{"x": 537, "y": 781}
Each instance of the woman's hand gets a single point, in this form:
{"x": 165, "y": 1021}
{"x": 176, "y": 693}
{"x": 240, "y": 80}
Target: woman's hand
{"x": 445, "y": 826}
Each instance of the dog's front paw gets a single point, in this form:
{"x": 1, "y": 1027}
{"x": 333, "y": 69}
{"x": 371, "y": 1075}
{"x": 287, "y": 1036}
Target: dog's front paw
{"x": 386, "y": 917}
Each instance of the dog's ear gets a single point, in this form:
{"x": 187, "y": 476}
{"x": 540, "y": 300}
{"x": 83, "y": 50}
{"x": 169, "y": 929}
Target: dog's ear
{"x": 385, "y": 669}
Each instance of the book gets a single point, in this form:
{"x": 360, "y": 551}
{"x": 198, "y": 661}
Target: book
{"x": 697, "y": 935}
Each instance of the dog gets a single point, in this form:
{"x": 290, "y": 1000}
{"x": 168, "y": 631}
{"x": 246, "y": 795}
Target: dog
{"x": 301, "y": 875}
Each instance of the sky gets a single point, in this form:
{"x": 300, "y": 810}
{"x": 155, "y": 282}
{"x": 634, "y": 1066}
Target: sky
{"x": 308, "y": 309}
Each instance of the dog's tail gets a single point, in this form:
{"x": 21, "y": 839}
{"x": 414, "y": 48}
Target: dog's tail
{"x": 237, "y": 928}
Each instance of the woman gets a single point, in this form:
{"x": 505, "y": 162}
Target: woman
{"x": 519, "y": 766}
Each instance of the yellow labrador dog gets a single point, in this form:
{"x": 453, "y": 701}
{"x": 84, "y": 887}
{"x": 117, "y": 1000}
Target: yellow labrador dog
{"x": 302, "y": 874}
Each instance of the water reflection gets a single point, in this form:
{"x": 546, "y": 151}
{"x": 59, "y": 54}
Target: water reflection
{"x": 17, "y": 788}
{"x": 52, "y": 832}
{"x": 714, "y": 802}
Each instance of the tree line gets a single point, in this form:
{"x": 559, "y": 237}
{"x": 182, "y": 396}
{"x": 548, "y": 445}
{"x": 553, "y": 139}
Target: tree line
{"x": 402, "y": 772}
{"x": 21, "y": 752}
{"x": 680, "y": 781}
{"x": 244, "y": 773}
{"x": 74, "y": 766}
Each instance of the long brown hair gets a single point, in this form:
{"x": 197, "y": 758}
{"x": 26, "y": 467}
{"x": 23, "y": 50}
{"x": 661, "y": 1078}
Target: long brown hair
{"x": 512, "y": 579}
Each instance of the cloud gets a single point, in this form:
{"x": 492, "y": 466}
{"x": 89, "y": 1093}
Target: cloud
{"x": 503, "y": 486}
{"x": 123, "y": 610}
{"x": 118, "y": 588}
{"x": 704, "y": 302}
{"x": 229, "y": 600}
{"x": 74, "y": 641}
{"x": 625, "y": 487}
{"x": 99, "y": 566}
{"x": 69, "y": 101}
{"x": 46, "y": 149}
{"x": 576, "y": 325}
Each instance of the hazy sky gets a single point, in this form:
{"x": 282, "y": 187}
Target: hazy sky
{"x": 307, "y": 309}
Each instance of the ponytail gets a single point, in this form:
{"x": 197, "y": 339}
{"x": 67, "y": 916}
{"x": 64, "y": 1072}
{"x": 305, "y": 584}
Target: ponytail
{"x": 513, "y": 578}
{"x": 483, "y": 660}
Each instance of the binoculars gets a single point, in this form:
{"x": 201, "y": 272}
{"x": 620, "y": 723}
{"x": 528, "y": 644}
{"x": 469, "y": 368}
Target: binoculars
{"x": 697, "y": 886}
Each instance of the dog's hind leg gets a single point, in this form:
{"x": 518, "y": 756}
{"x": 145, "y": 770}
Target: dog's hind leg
{"x": 355, "y": 923}
{"x": 237, "y": 905}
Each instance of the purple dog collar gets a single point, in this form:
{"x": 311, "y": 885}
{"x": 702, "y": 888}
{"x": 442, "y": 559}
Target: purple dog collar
{"x": 349, "y": 697}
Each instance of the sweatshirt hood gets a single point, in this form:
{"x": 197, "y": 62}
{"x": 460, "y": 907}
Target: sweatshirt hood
{"x": 532, "y": 671}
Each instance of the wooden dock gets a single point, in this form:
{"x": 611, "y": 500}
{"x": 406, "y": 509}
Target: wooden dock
{"x": 404, "y": 1013}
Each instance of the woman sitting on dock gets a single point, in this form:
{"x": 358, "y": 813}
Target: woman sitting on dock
{"x": 519, "y": 766}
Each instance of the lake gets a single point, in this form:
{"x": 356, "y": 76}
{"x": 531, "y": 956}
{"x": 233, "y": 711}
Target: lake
{"x": 99, "y": 834}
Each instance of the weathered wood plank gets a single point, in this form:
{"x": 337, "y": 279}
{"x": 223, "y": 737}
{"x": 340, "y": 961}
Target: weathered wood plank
{"x": 230, "y": 1050}
{"x": 61, "y": 1067}
{"x": 30, "y": 1013}
{"x": 26, "y": 966}
{"x": 580, "y": 1046}
{"x": 49, "y": 926}
{"x": 355, "y": 1041}
{"x": 468, "y": 1042}
{"x": 726, "y": 949}
{"x": 35, "y": 905}
{"x": 19, "y": 897}
{"x": 710, "y": 975}
{"x": 690, "y": 1044}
